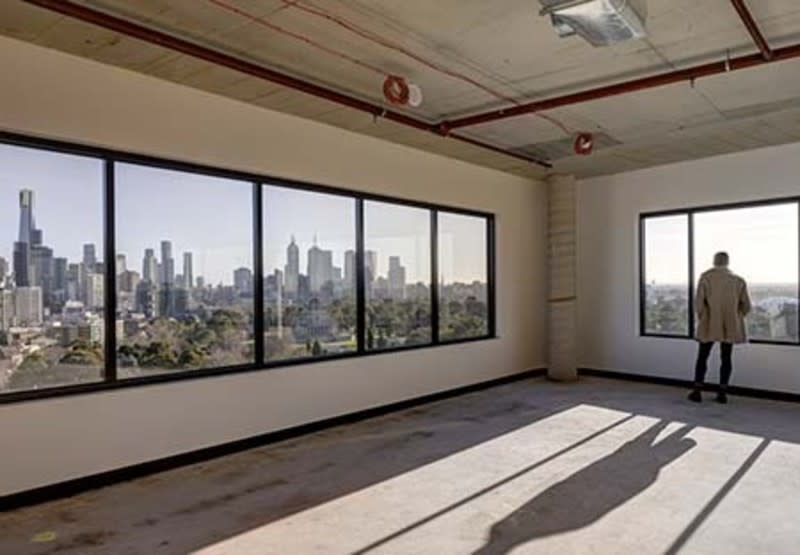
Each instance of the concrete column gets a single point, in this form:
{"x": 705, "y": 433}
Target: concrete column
{"x": 561, "y": 261}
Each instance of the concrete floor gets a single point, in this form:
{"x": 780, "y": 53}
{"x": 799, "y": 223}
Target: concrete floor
{"x": 533, "y": 467}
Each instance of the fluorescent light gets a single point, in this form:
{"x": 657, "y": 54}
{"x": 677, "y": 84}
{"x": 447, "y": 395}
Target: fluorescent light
{"x": 599, "y": 22}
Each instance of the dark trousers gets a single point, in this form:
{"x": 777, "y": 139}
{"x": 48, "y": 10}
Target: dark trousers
{"x": 701, "y": 367}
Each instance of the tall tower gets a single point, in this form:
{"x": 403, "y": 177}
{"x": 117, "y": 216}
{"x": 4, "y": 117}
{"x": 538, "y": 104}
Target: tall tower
{"x": 122, "y": 264}
{"x": 292, "y": 269}
{"x": 3, "y": 270}
{"x": 28, "y": 236}
{"x": 150, "y": 267}
{"x": 397, "y": 278}
{"x": 27, "y": 226}
{"x": 349, "y": 268}
{"x": 320, "y": 268}
{"x": 167, "y": 263}
{"x": 89, "y": 257}
{"x": 188, "y": 270}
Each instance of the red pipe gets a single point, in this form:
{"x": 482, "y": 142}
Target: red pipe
{"x": 752, "y": 27}
{"x": 651, "y": 82}
{"x": 125, "y": 27}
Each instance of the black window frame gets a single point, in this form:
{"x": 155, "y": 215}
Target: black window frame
{"x": 110, "y": 157}
{"x": 690, "y": 213}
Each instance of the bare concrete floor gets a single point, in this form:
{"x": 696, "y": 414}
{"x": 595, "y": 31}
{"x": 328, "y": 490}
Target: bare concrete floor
{"x": 533, "y": 467}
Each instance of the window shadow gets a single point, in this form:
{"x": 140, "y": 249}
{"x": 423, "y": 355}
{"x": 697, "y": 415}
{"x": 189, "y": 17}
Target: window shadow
{"x": 589, "y": 494}
{"x": 248, "y": 490}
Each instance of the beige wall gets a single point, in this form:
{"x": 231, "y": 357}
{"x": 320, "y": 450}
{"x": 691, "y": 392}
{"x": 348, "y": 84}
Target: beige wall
{"x": 608, "y": 263}
{"x": 63, "y": 97}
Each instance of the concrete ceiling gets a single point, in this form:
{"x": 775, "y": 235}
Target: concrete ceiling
{"x": 505, "y": 46}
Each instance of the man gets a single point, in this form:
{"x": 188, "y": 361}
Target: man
{"x": 721, "y": 304}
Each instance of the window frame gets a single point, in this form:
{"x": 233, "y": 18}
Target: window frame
{"x": 690, "y": 213}
{"x": 110, "y": 157}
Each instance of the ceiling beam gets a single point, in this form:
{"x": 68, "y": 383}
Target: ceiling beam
{"x": 153, "y": 36}
{"x": 752, "y": 28}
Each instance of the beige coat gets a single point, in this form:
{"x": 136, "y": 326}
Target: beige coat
{"x": 721, "y": 303}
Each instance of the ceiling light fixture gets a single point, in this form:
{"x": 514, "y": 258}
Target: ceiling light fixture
{"x": 599, "y": 22}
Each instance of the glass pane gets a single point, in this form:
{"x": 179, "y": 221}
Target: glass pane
{"x": 184, "y": 269}
{"x": 463, "y": 304}
{"x": 666, "y": 259}
{"x": 397, "y": 272}
{"x": 309, "y": 268}
{"x": 762, "y": 243}
{"x": 51, "y": 269}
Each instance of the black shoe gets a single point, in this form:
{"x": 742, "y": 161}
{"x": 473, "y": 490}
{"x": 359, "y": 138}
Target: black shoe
{"x": 695, "y": 396}
{"x": 722, "y": 398}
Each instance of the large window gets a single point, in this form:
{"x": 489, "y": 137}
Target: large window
{"x": 310, "y": 274}
{"x": 184, "y": 270}
{"x": 118, "y": 270}
{"x": 51, "y": 269}
{"x": 463, "y": 276}
{"x": 397, "y": 275}
{"x": 666, "y": 275}
{"x": 762, "y": 241}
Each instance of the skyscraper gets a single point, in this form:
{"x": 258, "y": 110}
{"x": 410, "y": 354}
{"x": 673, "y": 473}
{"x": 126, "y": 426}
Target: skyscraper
{"x": 349, "y": 268}
{"x": 243, "y": 281}
{"x": 27, "y": 226}
{"x": 89, "y": 257}
{"x": 370, "y": 266}
{"x": 6, "y": 308}
{"x": 22, "y": 247}
{"x": 122, "y": 264}
{"x": 188, "y": 271}
{"x": 60, "y": 274}
{"x": 22, "y": 264}
{"x": 150, "y": 267}
{"x": 28, "y": 306}
{"x": 320, "y": 268}
{"x": 292, "y": 269}
{"x": 397, "y": 278}
{"x": 94, "y": 291}
{"x": 167, "y": 263}
{"x": 3, "y": 270}
{"x": 75, "y": 279}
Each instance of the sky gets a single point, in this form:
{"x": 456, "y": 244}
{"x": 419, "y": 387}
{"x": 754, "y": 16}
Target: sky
{"x": 211, "y": 217}
{"x": 762, "y": 243}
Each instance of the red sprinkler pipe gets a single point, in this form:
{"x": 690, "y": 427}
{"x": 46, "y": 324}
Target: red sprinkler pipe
{"x": 752, "y": 28}
{"x": 644, "y": 83}
{"x": 152, "y": 36}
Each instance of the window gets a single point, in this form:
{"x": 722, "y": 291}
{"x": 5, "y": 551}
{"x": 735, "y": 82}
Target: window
{"x": 397, "y": 275}
{"x": 184, "y": 269}
{"x": 51, "y": 269}
{"x": 763, "y": 245}
{"x": 666, "y": 275}
{"x": 762, "y": 241}
{"x": 118, "y": 270}
{"x": 310, "y": 274}
{"x": 463, "y": 276}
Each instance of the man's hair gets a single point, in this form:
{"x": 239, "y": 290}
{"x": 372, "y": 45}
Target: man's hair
{"x": 721, "y": 259}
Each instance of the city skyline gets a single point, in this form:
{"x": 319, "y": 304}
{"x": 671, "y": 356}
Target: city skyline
{"x": 153, "y": 206}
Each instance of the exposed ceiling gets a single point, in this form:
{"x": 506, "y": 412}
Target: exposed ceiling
{"x": 503, "y": 46}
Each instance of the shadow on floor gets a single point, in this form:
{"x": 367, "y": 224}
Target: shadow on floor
{"x": 194, "y": 507}
{"x": 592, "y": 492}
{"x": 186, "y": 509}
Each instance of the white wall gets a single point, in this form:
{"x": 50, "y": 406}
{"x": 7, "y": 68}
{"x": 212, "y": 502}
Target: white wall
{"x": 59, "y": 96}
{"x": 608, "y": 274}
